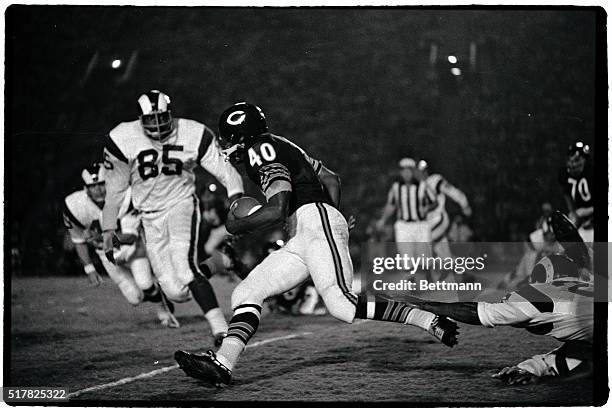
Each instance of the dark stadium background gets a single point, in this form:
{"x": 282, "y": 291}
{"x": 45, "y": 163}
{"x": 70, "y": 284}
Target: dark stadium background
{"x": 354, "y": 86}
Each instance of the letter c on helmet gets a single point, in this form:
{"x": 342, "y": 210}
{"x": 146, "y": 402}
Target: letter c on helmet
{"x": 236, "y": 118}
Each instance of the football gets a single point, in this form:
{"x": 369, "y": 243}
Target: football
{"x": 244, "y": 206}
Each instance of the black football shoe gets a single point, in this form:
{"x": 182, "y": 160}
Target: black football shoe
{"x": 204, "y": 367}
{"x": 567, "y": 235}
{"x": 445, "y": 330}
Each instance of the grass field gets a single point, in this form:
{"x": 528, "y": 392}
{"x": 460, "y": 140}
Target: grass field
{"x": 65, "y": 333}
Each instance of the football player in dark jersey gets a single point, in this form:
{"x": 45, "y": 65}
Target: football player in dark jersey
{"x": 576, "y": 180}
{"x": 304, "y": 194}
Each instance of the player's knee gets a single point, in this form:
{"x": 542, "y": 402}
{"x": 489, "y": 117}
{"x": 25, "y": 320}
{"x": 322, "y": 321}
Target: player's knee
{"x": 141, "y": 270}
{"x": 184, "y": 269}
{"x": 338, "y": 304}
{"x": 174, "y": 290}
{"x": 246, "y": 293}
{"x": 131, "y": 292}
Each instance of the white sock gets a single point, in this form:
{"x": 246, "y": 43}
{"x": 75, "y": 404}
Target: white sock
{"x": 229, "y": 351}
{"x": 420, "y": 318}
{"x": 216, "y": 320}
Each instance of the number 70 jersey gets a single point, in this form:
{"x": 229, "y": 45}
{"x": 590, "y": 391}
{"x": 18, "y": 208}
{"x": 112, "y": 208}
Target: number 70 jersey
{"x": 162, "y": 173}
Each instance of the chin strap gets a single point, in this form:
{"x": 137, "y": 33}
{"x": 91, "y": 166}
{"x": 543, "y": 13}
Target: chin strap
{"x": 231, "y": 150}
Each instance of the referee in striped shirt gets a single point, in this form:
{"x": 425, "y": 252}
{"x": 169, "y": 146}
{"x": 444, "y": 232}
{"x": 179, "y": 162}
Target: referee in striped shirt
{"x": 410, "y": 200}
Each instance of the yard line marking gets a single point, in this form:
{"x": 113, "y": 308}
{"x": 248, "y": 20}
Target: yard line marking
{"x": 162, "y": 370}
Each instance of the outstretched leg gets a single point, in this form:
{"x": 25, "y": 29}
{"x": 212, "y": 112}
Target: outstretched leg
{"x": 328, "y": 249}
{"x": 279, "y": 272}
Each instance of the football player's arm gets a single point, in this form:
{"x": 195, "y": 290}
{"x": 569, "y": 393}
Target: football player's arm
{"x": 117, "y": 175}
{"x": 331, "y": 181}
{"x": 82, "y": 251}
{"x": 465, "y": 312}
{"x": 274, "y": 211}
{"x": 554, "y": 364}
{"x": 457, "y": 196}
{"x": 477, "y": 313}
{"x": 213, "y": 162}
{"x": 78, "y": 235}
{"x": 584, "y": 212}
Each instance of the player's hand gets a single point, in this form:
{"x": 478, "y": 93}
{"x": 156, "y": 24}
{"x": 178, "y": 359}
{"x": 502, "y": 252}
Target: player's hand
{"x": 107, "y": 244}
{"x": 573, "y": 217}
{"x": 516, "y": 376}
{"x": 467, "y": 211}
{"x": 231, "y": 224}
{"x": 352, "y": 221}
{"x": 94, "y": 278}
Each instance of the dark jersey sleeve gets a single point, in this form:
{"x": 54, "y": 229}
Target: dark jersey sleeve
{"x": 266, "y": 164}
{"x": 276, "y": 164}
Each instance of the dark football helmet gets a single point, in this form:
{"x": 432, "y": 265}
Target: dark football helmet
{"x": 155, "y": 115}
{"x": 238, "y": 125}
{"x": 577, "y": 155}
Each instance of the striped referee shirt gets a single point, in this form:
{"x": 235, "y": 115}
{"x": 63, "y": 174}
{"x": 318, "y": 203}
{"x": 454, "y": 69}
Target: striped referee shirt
{"x": 411, "y": 200}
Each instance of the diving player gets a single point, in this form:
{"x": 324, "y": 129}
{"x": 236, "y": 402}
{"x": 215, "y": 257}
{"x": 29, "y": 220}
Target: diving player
{"x": 557, "y": 303}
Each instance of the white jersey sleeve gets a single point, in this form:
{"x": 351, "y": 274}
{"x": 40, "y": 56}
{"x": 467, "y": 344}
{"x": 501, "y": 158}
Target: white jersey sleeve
{"x": 506, "y": 313}
{"x": 75, "y": 227}
{"x": 454, "y": 193}
{"x": 129, "y": 219}
{"x": 213, "y": 161}
{"x": 117, "y": 182}
{"x": 562, "y": 309}
{"x": 79, "y": 214}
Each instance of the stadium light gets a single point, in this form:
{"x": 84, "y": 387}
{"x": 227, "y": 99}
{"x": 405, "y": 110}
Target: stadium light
{"x": 452, "y": 59}
{"x": 116, "y": 63}
{"x": 455, "y": 71}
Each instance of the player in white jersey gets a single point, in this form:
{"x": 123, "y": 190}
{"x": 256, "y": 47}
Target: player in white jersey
{"x": 438, "y": 217}
{"x": 557, "y": 303}
{"x": 156, "y": 155}
{"x": 132, "y": 273}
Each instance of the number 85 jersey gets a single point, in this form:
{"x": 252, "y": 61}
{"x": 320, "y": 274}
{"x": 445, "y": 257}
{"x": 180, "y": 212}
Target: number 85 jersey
{"x": 162, "y": 173}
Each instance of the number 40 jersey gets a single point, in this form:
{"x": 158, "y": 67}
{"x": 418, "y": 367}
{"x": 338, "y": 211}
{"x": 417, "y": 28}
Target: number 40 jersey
{"x": 162, "y": 173}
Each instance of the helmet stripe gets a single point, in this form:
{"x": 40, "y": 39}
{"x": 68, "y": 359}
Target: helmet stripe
{"x": 162, "y": 102}
{"x": 145, "y": 104}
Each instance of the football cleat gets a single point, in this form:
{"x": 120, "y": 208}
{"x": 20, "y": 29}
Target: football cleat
{"x": 444, "y": 330}
{"x": 204, "y": 367}
{"x": 219, "y": 338}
